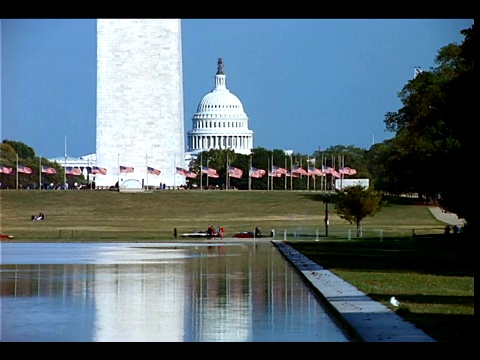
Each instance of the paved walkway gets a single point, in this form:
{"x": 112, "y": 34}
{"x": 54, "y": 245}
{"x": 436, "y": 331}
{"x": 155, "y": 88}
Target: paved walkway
{"x": 446, "y": 217}
{"x": 363, "y": 319}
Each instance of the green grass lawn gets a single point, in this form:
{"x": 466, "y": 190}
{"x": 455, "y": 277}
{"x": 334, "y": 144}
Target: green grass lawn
{"x": 430, "y": 274}
{"x": 432, "y": 277}
{"x": 102, "y": 215}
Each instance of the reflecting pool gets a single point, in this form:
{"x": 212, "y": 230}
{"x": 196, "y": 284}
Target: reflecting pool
{"x": 163, "y": 292}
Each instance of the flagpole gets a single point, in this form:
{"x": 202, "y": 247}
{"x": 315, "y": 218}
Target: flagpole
{"x": 269, "y": 173}
{"x": 227, "y": 177}
{"x": 146, "y": 177}
{"x": 301, "y": 176}
{"x": 271, "y": 187}
{"x": 201, "y": 172}
{"x": 342, "y": 174}
{"x": 65, "y": 167}
{"x": 250, "y": 174}
{"x": 118, "y": 172}
{"x": 208, "y": 160}
{"x": 285, "y": 174}
{"x": 17, "y": 173}
{"x": 314, "y": 169}
{"x": 291, "y": 174}
{"x": 323, "y": 176}
{"x": 308, "y": 175}
{"x": 40, "y": 172}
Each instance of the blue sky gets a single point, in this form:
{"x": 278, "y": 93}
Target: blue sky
{"x": 305, "y": 84}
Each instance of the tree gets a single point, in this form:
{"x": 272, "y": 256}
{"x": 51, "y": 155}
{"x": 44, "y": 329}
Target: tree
{"x": 355, "y": 203}
{"x": 24, "y": 151}
{"x": 434, "y": 131}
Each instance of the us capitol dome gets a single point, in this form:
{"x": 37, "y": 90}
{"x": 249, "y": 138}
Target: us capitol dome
{"x": 220, "y": 121}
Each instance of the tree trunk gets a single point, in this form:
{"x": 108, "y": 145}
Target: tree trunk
{"x": 359, "y": 229}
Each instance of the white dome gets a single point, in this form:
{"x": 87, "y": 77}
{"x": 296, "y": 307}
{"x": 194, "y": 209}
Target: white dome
{"x": 220, "y": 121}
{"x": 220, "y": 102}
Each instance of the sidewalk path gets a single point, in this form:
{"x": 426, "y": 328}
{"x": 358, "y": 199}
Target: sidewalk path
{"x": 446, "y": 217}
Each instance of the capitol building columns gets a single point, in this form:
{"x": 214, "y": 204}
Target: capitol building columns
{"x": 220, "y": 142}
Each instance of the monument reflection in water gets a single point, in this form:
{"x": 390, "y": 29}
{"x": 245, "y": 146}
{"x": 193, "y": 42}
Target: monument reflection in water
{"x": 175, "y": 292}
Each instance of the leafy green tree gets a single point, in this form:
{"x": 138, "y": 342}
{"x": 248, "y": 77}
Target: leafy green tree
{"x": 355, "y": 203}
{"x": 24, "y": 151}
{"x": 435, "y": 141}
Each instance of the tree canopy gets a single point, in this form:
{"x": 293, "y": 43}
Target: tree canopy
{"x": 355, "y": 203}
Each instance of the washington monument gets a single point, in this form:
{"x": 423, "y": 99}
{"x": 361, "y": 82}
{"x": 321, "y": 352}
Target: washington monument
{"x": 140, "y": 120}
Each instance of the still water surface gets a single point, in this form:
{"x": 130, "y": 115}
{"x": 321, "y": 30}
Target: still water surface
{"x": 175, "y": 292}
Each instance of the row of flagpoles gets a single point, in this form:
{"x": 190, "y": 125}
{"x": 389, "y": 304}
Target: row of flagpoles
{"x": 233, "y": 172}
{"x": 274, "y": 171}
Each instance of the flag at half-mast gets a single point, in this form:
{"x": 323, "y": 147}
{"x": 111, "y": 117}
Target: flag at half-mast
{"x": 153, "y": 171}
{"x": 292, "y": 174}
{"x": 97, "y": 170}
{"x": 235, "y": 172}
{"x": 48, "y": 170}
{"x": 126, "y": 169}
{"x": 327, "y": 169}
{"x": 312, "y": 170}
{"x": 279, "y": 170}
{"x": 24, "y": 169}
{"x": 187, "y": 173}
{"x": 299, "y": 170}
{"x": 6, "y": 170}
{"x": 257, "y": 173}
{"x": 210, "y": 172}
{"x": 69, "y": 170}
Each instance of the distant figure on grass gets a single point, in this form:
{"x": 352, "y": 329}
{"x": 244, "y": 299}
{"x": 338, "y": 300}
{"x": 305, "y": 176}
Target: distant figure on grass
{"x": 210, "y": 230}
{"x": 258, "y": 233}
{"x": 40, "y": 216}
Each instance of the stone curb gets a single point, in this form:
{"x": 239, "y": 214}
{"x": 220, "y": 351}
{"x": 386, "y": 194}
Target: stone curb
{"x": 362, "y": 318}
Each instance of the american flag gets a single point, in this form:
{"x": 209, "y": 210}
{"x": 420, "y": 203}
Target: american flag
{"x": 347, "y": 171}
{"x": 210, "y": 172}
{"x": 24, "y": 169}
{"x": 299, "y": 170}
{"x": 279, "y": 170}
{"x": 417, "y": 72}
{"x": 312, "y": 170}
{"x": 319, "y": 172}
{"x": 73, "y": 171}
{"x": 257, "y": 173}
{"x": 126, "y": 169}
{"x": 6, "y": 170}
{"x": 336, "y": 174}
{"x": 351, "y": 171}
{"x": 274, "y": 174}
{"x": 48, "y": 170}
{"x": 99, "y": 170}
{"x": 153, "y": 171}
{"x": 327, "y": 169}
{"x": 290, "y": 174}
{"x": 186, "y": 173}
{"x": 235, "y": 172}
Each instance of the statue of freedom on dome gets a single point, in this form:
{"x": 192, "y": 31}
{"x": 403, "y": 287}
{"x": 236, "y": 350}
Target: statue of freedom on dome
{"x": 220, "y": 67}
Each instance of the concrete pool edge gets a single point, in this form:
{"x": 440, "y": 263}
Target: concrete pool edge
{"x": 362, "y": 318}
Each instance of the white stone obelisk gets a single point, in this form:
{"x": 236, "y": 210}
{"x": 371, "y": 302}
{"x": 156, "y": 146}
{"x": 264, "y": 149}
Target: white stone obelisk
{"x": 139, "y": 100}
